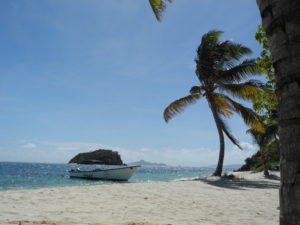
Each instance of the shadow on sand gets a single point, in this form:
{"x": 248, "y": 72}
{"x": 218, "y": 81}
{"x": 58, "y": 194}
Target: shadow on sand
{"x": 241, "y": 184}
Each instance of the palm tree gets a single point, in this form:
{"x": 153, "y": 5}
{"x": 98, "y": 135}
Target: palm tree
{"x": 281, "y": 21}
{"x": 219, "y": 71}
{"x": 265, "y": 141}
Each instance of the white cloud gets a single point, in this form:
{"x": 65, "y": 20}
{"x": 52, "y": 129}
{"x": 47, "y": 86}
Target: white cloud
{"x": 72, "y": 146}
{"x": 29, "y": 145}
{"x": 64, "y": 151}
{"x": 237, "y": 156}
{"x": 247, "y": 147}
{"x": 186, "y": 157}
{"x": 170, "y": 156}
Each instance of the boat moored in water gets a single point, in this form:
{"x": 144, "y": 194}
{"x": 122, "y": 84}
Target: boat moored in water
{"x": 114, "y": 174}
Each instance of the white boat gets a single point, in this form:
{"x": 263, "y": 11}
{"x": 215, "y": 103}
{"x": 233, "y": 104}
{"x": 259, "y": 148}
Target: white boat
{"x": 117, "y": 174}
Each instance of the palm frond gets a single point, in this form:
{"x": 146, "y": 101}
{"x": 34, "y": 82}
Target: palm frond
{"x": 228, "y": 133}
{"x": 196, "y": 90}
{"x": 249, "y": 116}
{"x": 222, "y": 105}
{"x": 257, "y": 137}
{"x": 158, "y": 7}
{"x": 239, "y": 72}
{"x": 272, "y": 130}
{"x": 248, "y": 90}
{"x": 266, "y": 139}
{"x": 179, "y": 105}
{"x": 234, "y": 51}
{"x": 207, "y": 53}
{"x": 211, "y": 37}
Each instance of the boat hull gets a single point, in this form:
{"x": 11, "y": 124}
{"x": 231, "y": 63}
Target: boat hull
{"x": 116, "y": 174}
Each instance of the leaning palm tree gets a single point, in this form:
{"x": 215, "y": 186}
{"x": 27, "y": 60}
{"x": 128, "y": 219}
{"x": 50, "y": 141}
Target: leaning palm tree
{"x": 219, "y": 72}
{"x": 285, "y": 53}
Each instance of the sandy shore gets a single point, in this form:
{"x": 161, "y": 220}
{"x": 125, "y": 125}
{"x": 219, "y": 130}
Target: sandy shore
{"x": 249, "y": 200}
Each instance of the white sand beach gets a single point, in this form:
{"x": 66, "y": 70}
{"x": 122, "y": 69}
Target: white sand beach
{"x": 249, "y": 200}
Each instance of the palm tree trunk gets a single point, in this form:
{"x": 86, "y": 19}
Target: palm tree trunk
{"x": 265, "y": 161}
{"x": 266, "y": 171}
{"x": 219, "y": 168}
{"x": 281, "y": 20}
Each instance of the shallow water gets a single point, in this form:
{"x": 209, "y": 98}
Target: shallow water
{"x": 16, "y": 175}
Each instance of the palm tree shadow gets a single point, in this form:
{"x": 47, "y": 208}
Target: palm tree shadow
{"x": 240, "y": 184}
{"x": 273, "y": 177}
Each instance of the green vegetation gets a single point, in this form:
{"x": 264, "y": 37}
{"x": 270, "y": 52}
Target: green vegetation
{"x": 268, "y": 149}
{"x": 266, "y": 103}
{"x": 258, "y": 163}
{"x": 101, "y": 156}
{"x": 285, "y": 45}
{"x": 158, "y": 6}
{"x": 219, "y": 71}
{"x": 266, "y": 106}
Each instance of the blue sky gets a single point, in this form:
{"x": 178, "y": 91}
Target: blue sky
{"x": 78, "y": 75}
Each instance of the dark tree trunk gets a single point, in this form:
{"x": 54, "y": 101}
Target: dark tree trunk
{"x": 265, "y": 162}
{"x": 281, "y": 20}
{"x": 266, "y": 171}
{"x": 219, "y": 168}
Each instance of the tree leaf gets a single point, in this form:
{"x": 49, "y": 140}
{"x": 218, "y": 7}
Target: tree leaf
{"x": 158, "y": 7}
{"x": 179, "y": 105}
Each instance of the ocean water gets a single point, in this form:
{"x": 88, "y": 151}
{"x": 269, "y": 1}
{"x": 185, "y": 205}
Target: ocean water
{"x": 16, "y": 175}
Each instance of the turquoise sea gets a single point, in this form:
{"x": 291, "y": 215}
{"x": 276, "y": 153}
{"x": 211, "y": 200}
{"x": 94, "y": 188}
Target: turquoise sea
{"x": 16, "y": 175}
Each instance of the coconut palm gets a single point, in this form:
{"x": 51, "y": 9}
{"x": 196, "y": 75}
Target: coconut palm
{"x": 219, "y": 72}
{"x": 280, "y": 19}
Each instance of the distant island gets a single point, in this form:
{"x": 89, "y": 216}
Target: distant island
{"x": 100, "y": 156}
{"x": 145, "y": 163}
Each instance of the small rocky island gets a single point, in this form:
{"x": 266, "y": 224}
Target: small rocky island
{"x": 100, "y": 156}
